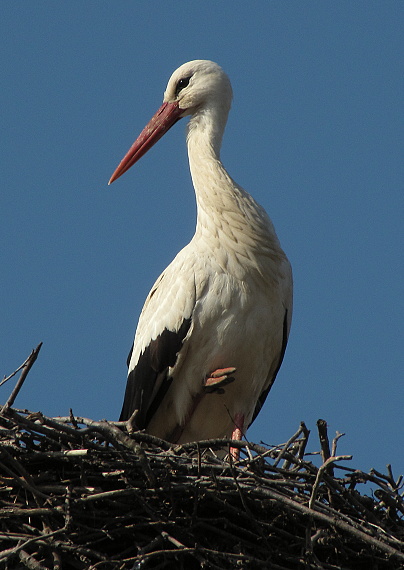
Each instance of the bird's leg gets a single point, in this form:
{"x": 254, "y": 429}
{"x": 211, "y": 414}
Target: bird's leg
{"x": 237, "y": 434}
{"x": 219, "y": 378}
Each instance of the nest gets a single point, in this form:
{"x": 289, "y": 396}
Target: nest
{"x": 81, "y": 494}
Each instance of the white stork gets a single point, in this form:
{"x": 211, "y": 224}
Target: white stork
{"x": 214, "y": 327}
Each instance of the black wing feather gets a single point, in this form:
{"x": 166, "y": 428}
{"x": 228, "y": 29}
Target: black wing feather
{"x": 154, "y": 361}
{"x": 265, "y": 393}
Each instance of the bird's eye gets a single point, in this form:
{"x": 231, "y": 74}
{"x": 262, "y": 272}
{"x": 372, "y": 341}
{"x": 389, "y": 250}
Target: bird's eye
{"x": 182, "y": 83}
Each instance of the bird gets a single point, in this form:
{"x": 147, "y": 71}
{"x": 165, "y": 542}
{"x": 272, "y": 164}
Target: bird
{"x": 213, "y": 331}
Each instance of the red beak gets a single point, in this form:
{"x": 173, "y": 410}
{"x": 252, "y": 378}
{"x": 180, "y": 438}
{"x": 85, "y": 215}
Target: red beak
{"x": 159, "y": 124}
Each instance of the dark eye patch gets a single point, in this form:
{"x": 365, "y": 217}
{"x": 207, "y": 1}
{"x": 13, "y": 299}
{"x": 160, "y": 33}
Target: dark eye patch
{"x": 182, "y": 83}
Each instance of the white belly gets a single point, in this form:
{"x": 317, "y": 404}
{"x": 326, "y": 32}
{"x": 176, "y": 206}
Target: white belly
{"x": 233, "y": 324}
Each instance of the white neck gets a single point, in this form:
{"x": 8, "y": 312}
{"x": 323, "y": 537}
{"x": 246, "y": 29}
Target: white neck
{"x": 222, "y": 205}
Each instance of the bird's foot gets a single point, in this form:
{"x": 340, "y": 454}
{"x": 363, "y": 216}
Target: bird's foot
{"x": 218, "y": 379}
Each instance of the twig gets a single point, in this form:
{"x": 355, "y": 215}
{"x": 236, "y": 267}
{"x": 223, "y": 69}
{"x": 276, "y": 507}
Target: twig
{"x": 320, "y": 472}
{"x": 26, "y": 367}
{"x": 30, "y": 562}
{"x": 7, "y": 554}
{"x": 97, "y": 491}
{"x": 173, "y": 540}
{"x": 334, "y": 443}
{"x": 287, "y": 445}
{"x": 325, "y": 444}
{"x": 7, "y": 378}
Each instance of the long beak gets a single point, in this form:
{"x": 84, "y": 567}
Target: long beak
{"x": 159, "y": 124}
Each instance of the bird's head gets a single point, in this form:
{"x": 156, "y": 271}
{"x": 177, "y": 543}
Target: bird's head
{"x": 196, "y": 88}
{"x": 197, "y": 84}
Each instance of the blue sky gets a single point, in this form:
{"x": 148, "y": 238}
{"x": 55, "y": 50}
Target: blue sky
{"x": 315, "y": 134}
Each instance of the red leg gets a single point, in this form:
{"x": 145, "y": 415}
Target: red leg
{"x": 237, "y": 434}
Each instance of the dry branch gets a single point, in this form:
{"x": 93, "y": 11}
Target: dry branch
{"x": 82, "y": 494}
{"x": 25, "y": 367}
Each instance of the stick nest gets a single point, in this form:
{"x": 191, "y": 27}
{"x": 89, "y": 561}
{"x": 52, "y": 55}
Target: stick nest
{"x": 81, "y": 494}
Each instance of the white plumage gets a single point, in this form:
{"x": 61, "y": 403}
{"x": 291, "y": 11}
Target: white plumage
{"x": 225, "y": 300}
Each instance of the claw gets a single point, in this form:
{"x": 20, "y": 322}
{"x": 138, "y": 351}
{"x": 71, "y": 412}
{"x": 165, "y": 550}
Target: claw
{"x": 222, "y": 372}
{"x": 219, "y": 378}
